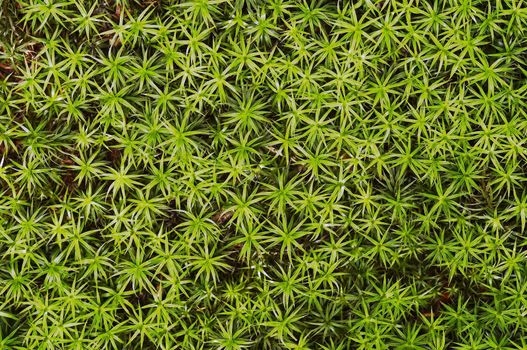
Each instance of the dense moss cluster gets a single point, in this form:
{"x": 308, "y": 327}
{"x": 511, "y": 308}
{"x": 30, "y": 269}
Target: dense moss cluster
{"x": 250, "y": 174}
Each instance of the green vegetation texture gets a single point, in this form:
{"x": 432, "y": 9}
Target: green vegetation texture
{"x": 263, "y": 174}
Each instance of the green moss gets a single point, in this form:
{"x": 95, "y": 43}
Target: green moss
{"x": 273, "y": 174}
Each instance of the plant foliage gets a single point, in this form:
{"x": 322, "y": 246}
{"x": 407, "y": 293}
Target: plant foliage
{"x": 263, "y": 174}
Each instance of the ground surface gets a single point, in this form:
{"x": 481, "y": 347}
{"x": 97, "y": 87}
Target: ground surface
{"x": 272, "y": 174}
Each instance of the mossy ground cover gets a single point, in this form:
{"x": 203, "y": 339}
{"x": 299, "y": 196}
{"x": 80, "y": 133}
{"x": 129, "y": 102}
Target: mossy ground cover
{"x": 263, "y": 174}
